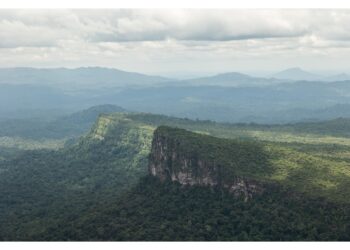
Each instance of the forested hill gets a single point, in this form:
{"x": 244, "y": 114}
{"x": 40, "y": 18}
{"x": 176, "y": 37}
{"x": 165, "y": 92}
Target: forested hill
{"x": 100, "y": 189}
{"x": 296, "y": 163}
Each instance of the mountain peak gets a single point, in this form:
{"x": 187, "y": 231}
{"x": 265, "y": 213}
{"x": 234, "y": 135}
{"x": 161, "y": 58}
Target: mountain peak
{"x": 296, "y": 73}
{"x": 295, "y": 69}
{"x": 232, "y": 74}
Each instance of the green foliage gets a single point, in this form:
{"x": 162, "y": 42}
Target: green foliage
{"x": 18, "y": 135}
{"x": 86, "y": 190}
{"x": 155, "y": 211}
{"x": 337, "y": 127}
{"x": 312, "y": 174}
{"x": 328, "y": 132}
{"x": 42, "y": 189}
{"x": 28, "y": 144}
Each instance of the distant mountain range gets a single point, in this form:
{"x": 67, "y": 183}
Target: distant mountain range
{"x": 89, "y": 77}
{"x": 92, "y": 78}
{"x": 298, "y": 74}
{"x": 231, "y": 79}
{"x": 230, "y": 97}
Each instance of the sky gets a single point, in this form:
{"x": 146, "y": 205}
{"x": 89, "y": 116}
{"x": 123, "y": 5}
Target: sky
{"x": 178, "y": 42}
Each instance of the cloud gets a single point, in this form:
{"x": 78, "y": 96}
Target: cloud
{"x": 198, "y": 25}
{"x": 151, "y": 40}
{"x": 46, "y": 28}
{"x": 40, "y": 27}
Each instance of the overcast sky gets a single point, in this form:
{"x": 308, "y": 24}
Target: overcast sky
{"x": 177, "y": 42}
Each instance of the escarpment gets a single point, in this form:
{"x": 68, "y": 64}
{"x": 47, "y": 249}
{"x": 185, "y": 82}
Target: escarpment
{"x": 195, "y": 159}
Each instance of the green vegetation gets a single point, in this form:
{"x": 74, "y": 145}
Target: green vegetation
{"x": 44, "y": 190}
{"x": 155, "y": 211}
{"x": 329, "y": 132}
{"x": 28, "y": 144}
{"x": 18, "y": 135}
{"x": 90, "y": 189}
{"x": 305, "y": 173}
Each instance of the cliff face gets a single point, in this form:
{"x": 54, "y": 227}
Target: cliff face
{"x": 168, "y": 161}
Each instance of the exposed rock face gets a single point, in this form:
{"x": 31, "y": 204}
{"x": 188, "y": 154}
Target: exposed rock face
{"x": 167, "y": 162}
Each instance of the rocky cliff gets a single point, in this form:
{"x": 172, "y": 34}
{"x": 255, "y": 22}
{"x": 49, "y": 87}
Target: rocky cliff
{"x": 194, "y": 159}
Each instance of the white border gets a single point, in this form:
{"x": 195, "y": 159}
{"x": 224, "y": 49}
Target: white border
{"x": 175, "y": 4}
